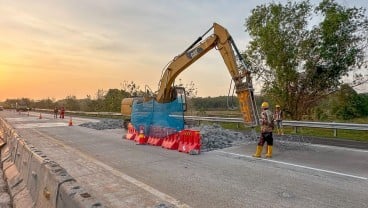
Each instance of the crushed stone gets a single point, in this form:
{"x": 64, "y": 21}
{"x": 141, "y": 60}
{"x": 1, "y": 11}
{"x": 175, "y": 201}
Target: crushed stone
{"x": 215, "y": 137}
{"x": 164, "y": 205}
{"x": 104, "y": 124}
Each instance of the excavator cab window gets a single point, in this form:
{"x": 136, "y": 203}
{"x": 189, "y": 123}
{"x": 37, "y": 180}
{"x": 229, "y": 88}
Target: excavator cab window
{"x": 180, "y": 95}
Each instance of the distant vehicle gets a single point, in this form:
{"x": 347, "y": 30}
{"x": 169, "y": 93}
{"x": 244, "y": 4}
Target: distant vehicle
{"x": 23, "y": 108}
{"x": 1, "y": 108}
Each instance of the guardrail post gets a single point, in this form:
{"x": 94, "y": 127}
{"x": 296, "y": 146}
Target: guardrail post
{"x": 335, "y": 132}
{"x": 295, "y": 129}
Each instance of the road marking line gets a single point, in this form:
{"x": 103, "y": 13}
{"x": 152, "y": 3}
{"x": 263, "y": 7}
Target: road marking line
{"x": 116, "y": 172}
{"x": 295, "y": 165}
{"x": 339, "y": 148}
{"x": 38, "y": 125}
{"x": 17, "y": 119}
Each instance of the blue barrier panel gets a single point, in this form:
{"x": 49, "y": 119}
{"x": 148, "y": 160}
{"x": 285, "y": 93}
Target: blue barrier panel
{"x": 151, "y": 113}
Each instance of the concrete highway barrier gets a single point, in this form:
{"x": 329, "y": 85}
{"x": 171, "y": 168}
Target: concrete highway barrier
{"x": 36, "y": 181}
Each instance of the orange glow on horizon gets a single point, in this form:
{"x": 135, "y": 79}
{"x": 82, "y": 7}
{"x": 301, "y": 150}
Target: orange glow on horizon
{"x": 55, "y": 50}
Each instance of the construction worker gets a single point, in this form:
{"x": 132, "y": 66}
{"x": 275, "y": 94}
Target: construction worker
{"x": 278, "y": 116}
{"x": 267, "y": 124}
{"x": 56, "y": 111}
{"x": 62, "y": 112}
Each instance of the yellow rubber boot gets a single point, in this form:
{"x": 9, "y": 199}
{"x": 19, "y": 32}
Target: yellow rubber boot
{"x": 269, "y": 151}
{"x": 258, "y": 151}
{"x": 265, "y": 150}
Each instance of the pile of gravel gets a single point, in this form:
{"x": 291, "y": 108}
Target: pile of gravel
{"x": 104, "y": 124}
{"x": 163, "y": 205}
{"x": 216, "y": 137}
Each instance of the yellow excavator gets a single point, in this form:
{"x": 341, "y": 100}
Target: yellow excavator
{"x": 221, "y": 41}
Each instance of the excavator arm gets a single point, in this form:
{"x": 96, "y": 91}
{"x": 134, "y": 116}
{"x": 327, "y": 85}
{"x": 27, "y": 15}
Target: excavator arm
{"x": 222, "y": 41}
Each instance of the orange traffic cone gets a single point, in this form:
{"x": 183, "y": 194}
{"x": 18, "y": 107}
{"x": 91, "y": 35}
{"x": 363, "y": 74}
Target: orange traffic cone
{"x": 70, "y": 122}
{"x": 141, "y": 139}
{"x": 40, "y": 117}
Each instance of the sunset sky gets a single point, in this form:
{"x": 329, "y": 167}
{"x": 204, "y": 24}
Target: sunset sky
{"x": 52, "y": 49}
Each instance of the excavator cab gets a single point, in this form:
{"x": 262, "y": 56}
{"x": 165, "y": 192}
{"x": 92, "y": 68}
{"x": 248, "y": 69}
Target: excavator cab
{"x": 181, "y": 96}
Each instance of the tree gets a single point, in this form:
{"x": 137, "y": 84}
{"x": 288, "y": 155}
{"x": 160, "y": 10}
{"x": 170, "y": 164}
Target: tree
{"x": 190, "y": 89}
{"x": 345, "y": 105}
{"x": 113, "y": 99}
{"x": 348, "y": 104}
{"x": 70, "y": 103}
{"x": 131, "y": 88}
{"x": 44, "y": 104}
{"x": 210, "y": 103}
{"x": 300, "y": 63}
{"x": 13, "y": 103}
{"x": 100, "y": 94}
{"x": 364, "y": 106}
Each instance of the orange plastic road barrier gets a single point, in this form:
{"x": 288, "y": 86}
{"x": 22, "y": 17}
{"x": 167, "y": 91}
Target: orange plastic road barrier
{"x": 131, "y": 134}
{"x": 141, "y": 138}
{"x": 171, "y": 142}
{"x": 70, "y": 122}
{"x": 189, "y": 142}
{"x": 155, "y": 141}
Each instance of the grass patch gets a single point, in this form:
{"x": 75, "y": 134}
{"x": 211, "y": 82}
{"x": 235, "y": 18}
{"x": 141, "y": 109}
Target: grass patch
{"x": 305, "y": 131}
{"x": 329, "y": 133}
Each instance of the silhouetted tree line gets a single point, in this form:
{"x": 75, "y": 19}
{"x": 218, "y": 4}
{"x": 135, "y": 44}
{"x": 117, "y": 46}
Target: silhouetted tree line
{"x": 344, "y": 104}
{"x": 104, "y": 102}
{"x": 215, "y": 103}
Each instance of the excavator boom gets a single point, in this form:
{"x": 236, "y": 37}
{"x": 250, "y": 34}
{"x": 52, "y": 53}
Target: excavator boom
{"x": 220, "y": 39}
{"x": 223, "y": 42}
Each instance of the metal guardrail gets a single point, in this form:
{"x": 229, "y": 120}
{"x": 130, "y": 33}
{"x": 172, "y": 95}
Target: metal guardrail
{"x": 295, "y": 124}
{"x": 326, "y": 125}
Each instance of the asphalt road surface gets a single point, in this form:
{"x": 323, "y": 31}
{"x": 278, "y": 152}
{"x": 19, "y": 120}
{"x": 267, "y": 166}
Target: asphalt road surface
{"x": 122, "y": 174}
